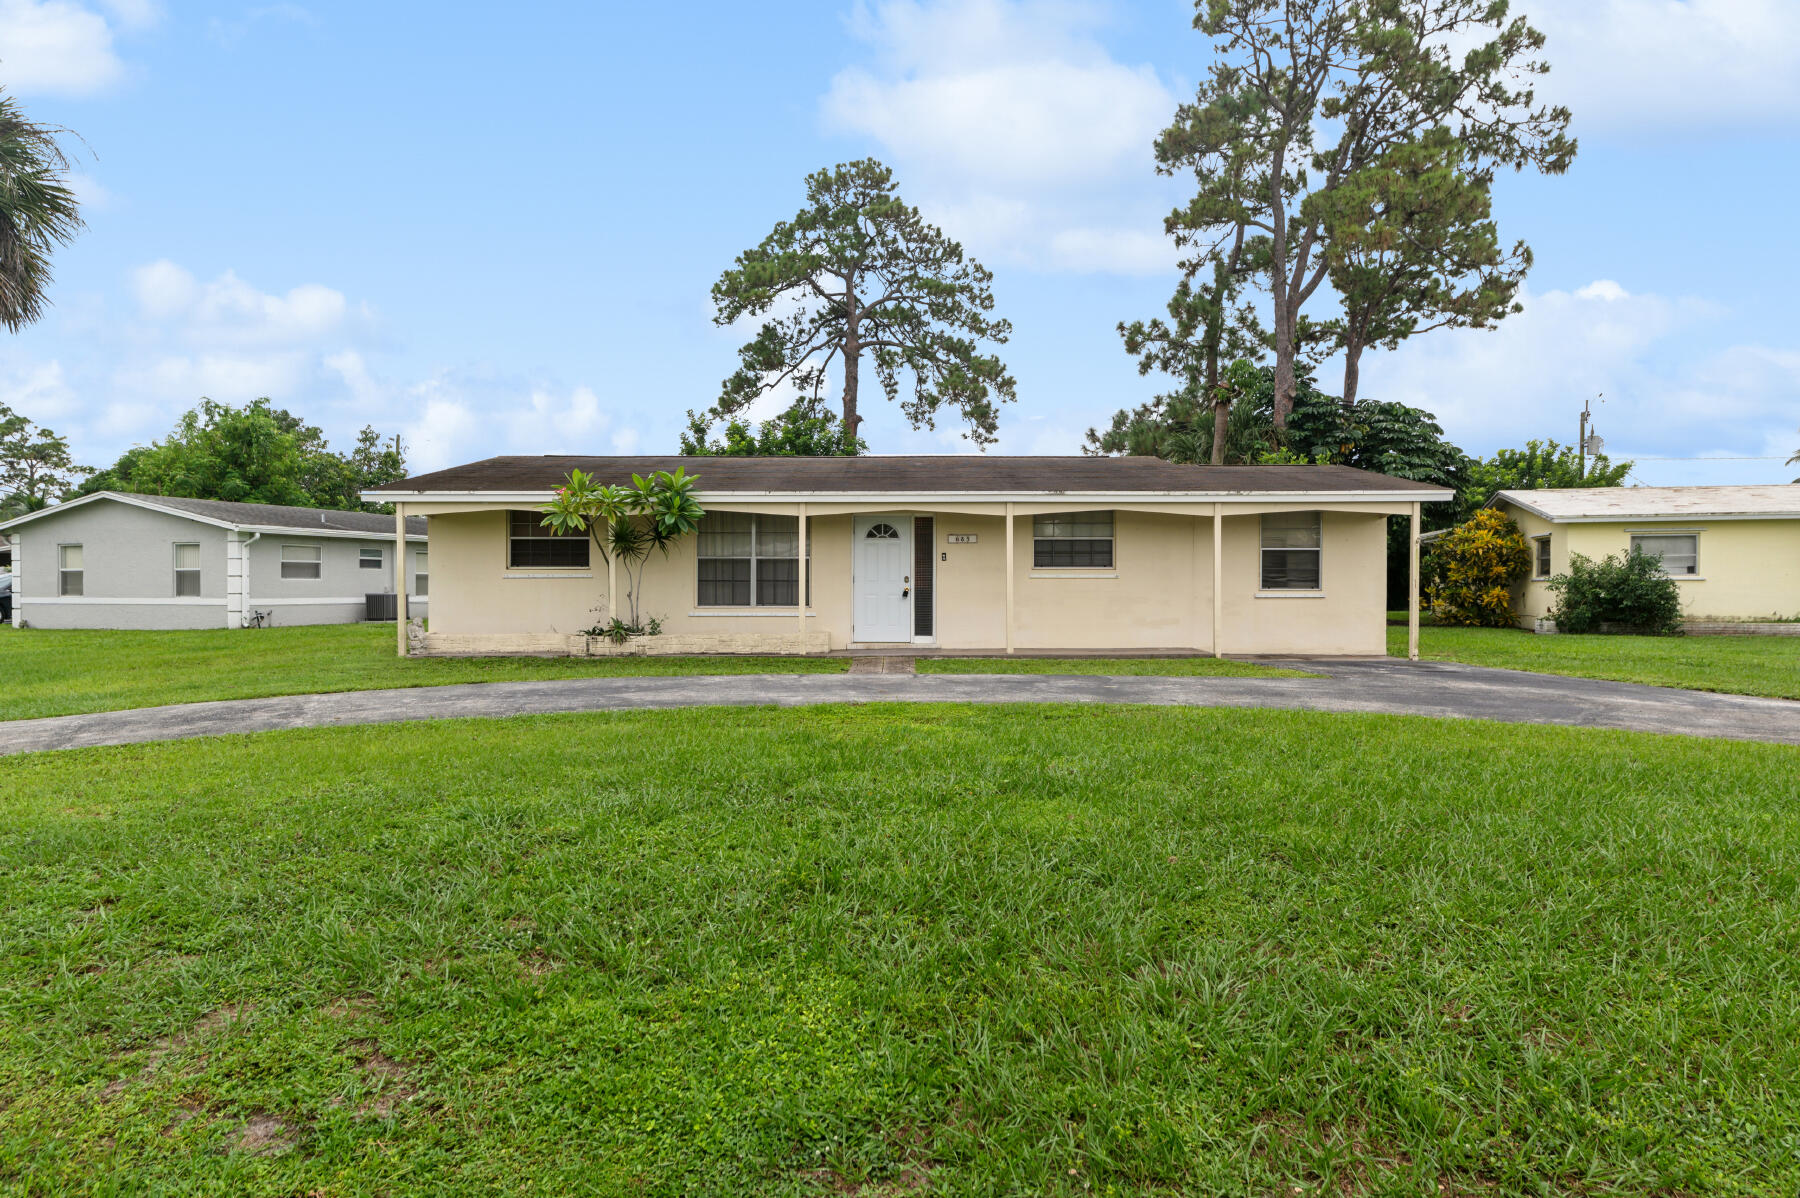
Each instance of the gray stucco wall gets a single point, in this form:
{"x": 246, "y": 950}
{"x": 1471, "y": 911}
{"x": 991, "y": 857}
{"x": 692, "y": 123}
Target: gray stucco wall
{"x": 128, "y": 555}
{"x": 336, "y": 596}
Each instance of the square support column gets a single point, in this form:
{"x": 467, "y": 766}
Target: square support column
{"x": 1218, "y": 575}
{"x": 800, "y": 595}
{"x": 1012, "y": 568}
{"x": 1412, "y": 589}
{"x": 400, "y": 576}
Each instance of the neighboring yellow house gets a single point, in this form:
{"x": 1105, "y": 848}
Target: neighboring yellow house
{"x": 940, "y": 553}
{"x": 1735, "y": 551}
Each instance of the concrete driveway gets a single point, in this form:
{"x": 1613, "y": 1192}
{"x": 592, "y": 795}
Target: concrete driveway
{"x": 1383, "y": 685}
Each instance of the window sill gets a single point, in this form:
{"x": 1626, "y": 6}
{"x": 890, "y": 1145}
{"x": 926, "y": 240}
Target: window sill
{"x": 1296, "y": 593}
{"x": 1071, "y": 572}
{"x": 570, "y": 573}
{"x": 1688, "y": 577}
{"x": 787, "y": 613}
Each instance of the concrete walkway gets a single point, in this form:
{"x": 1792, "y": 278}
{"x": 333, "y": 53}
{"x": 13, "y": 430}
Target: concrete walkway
{"x": 1375, "y": 685}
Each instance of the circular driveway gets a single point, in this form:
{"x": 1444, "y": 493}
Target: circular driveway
{"x": 1388, "y": 686}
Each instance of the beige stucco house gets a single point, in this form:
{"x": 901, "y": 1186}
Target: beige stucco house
{"x": 959, "y": 553}
{"x": 1735, "y": 551}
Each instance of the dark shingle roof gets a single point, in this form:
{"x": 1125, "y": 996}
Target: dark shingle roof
{"x": 960, "y": 473}
{"x": 270, "y": 515}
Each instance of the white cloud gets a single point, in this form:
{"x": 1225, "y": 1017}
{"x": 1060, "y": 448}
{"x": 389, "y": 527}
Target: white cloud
{"x": 1650, "y": 64}
{"x": 228, "y": 310}
{"x": 39, "y": 391}
{"x": 1663, "y": 396}
{"x": 1013, "y": 126}
{"x": 134, "y": 14}
{"x": 229, "y": 34}
{"x": 56, "y": 47}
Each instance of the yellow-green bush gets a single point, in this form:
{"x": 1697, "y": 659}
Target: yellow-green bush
{"x": 1472, "y": 570}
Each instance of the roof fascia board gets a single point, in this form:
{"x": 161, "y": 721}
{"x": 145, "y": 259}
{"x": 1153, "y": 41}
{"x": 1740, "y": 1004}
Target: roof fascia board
{"x": 905, "y": 498}
{"x": 147, "y": 503}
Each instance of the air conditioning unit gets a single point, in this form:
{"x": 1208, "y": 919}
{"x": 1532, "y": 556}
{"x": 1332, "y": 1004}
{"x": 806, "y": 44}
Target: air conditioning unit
{"x": 381, "y": 607}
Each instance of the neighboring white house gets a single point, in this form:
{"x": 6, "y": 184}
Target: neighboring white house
{"x": 112, "y": 560}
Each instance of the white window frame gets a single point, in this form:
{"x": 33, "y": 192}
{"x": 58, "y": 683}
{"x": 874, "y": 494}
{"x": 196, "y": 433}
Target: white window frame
{"x": 63, "y": 570}
{"x": 1540, "y": 557}
{"x": 1633, "y": 535}
{"x": 175, "y": 559}
{"x": 422, "y": 574}
{"x": 316, "y": 561}
{"x": 366, "y": 554}
{"x": 755, "y": 558}
{"x": 1087, "y": 517}
{"x": 1263, "y": 589}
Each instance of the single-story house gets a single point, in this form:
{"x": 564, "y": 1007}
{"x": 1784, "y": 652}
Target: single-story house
{"x": 1735, "y": 551}
{"x": 959, "y": 553}
{"x": 112, "y": 560}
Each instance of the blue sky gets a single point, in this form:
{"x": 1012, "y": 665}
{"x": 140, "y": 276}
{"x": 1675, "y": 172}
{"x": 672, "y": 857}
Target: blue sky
{"x": 494, "y": 228}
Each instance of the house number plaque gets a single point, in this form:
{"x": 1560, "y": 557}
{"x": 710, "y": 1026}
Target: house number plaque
{"x": 960, "y": 538}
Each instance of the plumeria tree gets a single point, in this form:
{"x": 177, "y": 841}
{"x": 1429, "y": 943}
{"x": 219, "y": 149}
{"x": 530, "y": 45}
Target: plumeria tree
{"x": 627, "y": 524}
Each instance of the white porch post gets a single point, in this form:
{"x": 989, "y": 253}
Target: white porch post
{"x": 1218, "y": 575}
{"x": 1011, "y": 569}
{"x": 400, "y": 576}
{"x": 800, "y": 595}
{"x": 1412, "y": 589}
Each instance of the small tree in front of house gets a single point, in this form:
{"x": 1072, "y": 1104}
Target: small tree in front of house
{"x": 1472, "y": 571}
{"x": 627, "y": 523}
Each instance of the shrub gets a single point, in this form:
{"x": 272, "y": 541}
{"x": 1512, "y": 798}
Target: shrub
{"x": 1473, "y": 568}
{"x": 1617, "y": 594}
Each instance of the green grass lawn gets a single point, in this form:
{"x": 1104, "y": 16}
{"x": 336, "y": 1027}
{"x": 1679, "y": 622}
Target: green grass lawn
{"x": 895, "y": 950}
{"x": 1214, "y": 666}
{"x": 1744, "y": 665}
{"x": 53, "y": 672}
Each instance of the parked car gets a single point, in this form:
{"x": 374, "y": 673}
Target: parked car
{"x": 6, "y": 597}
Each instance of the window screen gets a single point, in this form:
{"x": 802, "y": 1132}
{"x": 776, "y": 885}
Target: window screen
{"x": 369, "y": 557}
{"x": 187, "y": 570}
{"x": 748, "y": 560}
{"x": 70, "y": 575}
{"x": 531, "y": 546}
{"x": 1678, "y": 552}
{"x": 1072, "y": 539}
{"x": 300, "y": 561}
{"x": 1541, "y": 550}
{"x": 1290, "y": 551}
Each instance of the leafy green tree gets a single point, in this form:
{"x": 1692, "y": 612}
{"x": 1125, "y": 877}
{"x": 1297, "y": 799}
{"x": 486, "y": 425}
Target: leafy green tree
{"x": 808, "y": 429}
{"x": 1305, "y": 97}
{"x": 858, "y": 271}
{"x": 38, "y": 212}
{"x": 254, "y": 454}
{"x": 1541, "y": 464}
{"x": 628, "y": 523}
{"x": 35, "y": 465}
{"x": 1472, "y": 569}
{"x": 1409, "y": 247}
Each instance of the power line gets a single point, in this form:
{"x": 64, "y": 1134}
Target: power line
{"x": 1775, "y": 458}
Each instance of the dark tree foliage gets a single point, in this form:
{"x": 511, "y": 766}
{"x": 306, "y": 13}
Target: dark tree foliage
{"x": 36, "y": 468}
{"x": 1540, "y": 464}
{"x": 858, "y": 272}
{"x": 38, "y": 211}
{"x": 255, "y": 454}
{"x": 808, "y": 429}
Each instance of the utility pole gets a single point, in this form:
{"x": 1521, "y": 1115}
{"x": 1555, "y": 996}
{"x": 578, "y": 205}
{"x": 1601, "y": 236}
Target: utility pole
{"x": 1581, "y": 442}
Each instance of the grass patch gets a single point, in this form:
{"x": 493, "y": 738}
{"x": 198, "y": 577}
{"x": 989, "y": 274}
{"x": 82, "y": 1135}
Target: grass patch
{"x": 887, "y": 949}
{"x": 1203, "y": 666}
{"x": 67, "y": 672}
{"x": 1741, "y": 665}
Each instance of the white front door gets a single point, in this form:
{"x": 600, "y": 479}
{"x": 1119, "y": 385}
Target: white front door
{"x": 882, "y": 561}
